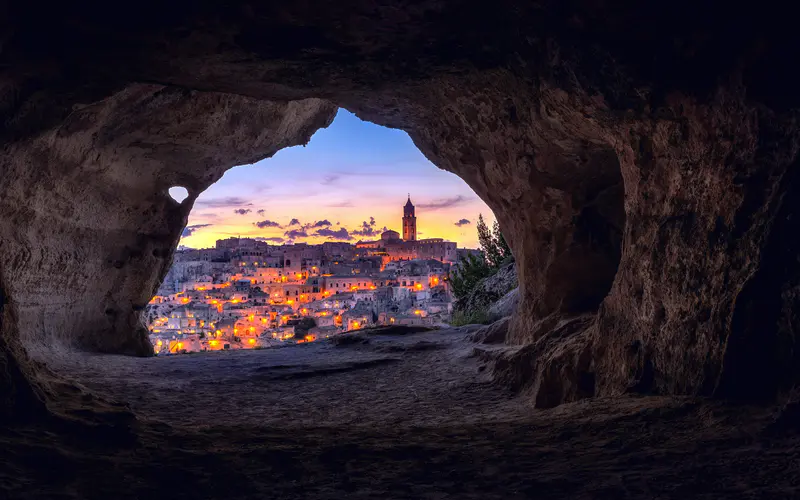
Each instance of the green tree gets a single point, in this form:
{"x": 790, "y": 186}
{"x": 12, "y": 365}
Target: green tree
{"x": 490, "y": 250}
{"x": 493, "y": 243}
{"x": 503, "y": 250}
{"x": 470, "y": 271}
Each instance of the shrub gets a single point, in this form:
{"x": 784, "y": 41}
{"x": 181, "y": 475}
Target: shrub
{"x": 461, "y": 318}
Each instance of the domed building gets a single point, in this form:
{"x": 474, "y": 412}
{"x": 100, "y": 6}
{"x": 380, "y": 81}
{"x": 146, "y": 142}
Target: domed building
{"x": 390, "y": 235}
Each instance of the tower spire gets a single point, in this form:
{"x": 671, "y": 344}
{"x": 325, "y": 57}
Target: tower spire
{"x": 409, "y": 221}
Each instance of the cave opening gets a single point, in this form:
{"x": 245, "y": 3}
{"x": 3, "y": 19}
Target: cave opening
{"x": 178, "y": 193}
{"x": 301, "y": 257}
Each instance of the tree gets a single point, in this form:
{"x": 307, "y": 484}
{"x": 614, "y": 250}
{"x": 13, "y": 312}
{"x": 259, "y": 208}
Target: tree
{"x": 494, "y": 245}
{"x": 487, "y": 242}
{"x": 470, "y": 271}
{"x": 500, "y": 243}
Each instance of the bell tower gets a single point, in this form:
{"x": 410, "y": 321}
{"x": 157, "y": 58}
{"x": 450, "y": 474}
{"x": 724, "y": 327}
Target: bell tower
{"x": 409, "y": 221}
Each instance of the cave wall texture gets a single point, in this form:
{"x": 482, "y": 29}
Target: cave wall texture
{"x": 641, "y": 160}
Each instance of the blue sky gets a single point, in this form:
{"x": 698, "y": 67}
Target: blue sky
{"x": 350, "y": 172}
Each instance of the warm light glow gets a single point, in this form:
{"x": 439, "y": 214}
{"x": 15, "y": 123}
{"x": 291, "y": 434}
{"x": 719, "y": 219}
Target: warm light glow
{"x": 419, "y": 286}
{"x": 417, "y": 312}
{"x": 253, "y": 282}
{"x": 252, "y": 329}
{"x": 252, "y": 317}
{"x": 201, "y": 288}
{"x": 213, "y": 342}
{"x": 235, "y": 301}
{"x": 235, "y": 330}
{"x": 159, "y": 343}
{"x": 184, "y": 300}
{"x": 252, "y": 341}
{"x": 391, "y": 320}
{"x": 355, "y": 324}
{"x": 180, "y": 345}
{"x": 219, "y": 332}
{"x": 290, "y": 301}
{"x": 215, "y": 302}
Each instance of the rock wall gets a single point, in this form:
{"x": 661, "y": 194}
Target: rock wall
{"x": 641, "y": 160}
{"x": 490, "y": 290}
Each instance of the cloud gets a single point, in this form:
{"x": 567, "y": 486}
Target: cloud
{"x": 341, "y": 204}
{"x": 242, "y": 211}
{"x": 189, "y": 230}
{"x": 463, "y": 222}
{"x": 444, "y": 203}
{"x": 230, "y": 201}
{"x": 267, "y": 223}
{"x": 260, "y": 211}
{"x": 330, "y": 179}
{"x": 338, "y": 234}
{"x": 368, "y": 229}
{"x": 322, "y": 223}
{"x": 294, "y": 222}
{"x": 296, "y": 233}
{"x": 272, "y": 239}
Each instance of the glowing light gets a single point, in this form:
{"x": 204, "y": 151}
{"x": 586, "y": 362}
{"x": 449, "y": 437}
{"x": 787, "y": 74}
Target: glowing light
{"x": 419, "y": 286}
{"x": 253, "y": 282}
{"x": 290, "y": 301}
{"x": 235, "y": 330}
{"x": 252, "y": 329}
{"x": 201, "y": 288}
{"x": 355, "y": 324}
{"x": 252, "y": 317}
{"x": 219, "y": 332}
{"x": 263, "y": 320}
{"x": 215, "y": 302}
{"x": 235, "y": 301}
{"x": 391, "y": 320}
{"x": 213, "y": 342}
{"x": 184, "y": 300}
{"x": 252, "y": 341}
{"x": 417, "y": 312}
{"x": 159, "y": 343}
{"x": 180, "y": 345}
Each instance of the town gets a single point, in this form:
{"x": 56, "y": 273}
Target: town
{"x": 246, "y": 293}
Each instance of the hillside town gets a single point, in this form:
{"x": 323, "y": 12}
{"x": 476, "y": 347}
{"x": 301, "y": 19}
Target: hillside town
{"x": 246, "y": 293}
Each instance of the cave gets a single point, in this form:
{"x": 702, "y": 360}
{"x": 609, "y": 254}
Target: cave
{"x": 641, "y": 161}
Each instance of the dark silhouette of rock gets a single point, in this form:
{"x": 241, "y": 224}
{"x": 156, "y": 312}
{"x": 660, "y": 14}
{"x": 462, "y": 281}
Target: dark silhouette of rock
{"x": 641, "y": 160}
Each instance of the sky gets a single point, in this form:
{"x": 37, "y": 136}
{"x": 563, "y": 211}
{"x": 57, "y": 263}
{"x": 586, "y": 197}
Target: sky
{"x": 347, "y": 184}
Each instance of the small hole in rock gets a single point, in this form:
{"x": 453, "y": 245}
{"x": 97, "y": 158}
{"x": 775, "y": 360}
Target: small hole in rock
{"x": 178, "y": 193}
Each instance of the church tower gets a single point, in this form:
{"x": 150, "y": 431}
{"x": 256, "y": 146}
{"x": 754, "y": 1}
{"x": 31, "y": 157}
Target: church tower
{"x": 409, "y": 222}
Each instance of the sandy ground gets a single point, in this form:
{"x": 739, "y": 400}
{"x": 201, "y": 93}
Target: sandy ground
{"x": 411, "y": 416}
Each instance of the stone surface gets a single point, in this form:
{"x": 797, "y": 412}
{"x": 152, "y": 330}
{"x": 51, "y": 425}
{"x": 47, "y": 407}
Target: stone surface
{"x": 506, "y": 305}
{"x": 489, "y": 291}
{"x": 641, "y": 160}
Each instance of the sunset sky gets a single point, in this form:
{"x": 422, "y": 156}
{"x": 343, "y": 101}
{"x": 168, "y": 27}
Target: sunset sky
{"x": 351, "y": 180}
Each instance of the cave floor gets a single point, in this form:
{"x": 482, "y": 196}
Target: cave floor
{"x": 411, "y": 416}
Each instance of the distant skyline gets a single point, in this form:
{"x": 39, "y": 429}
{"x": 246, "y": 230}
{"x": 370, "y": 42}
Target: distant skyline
{"x": 348, "y": 183}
